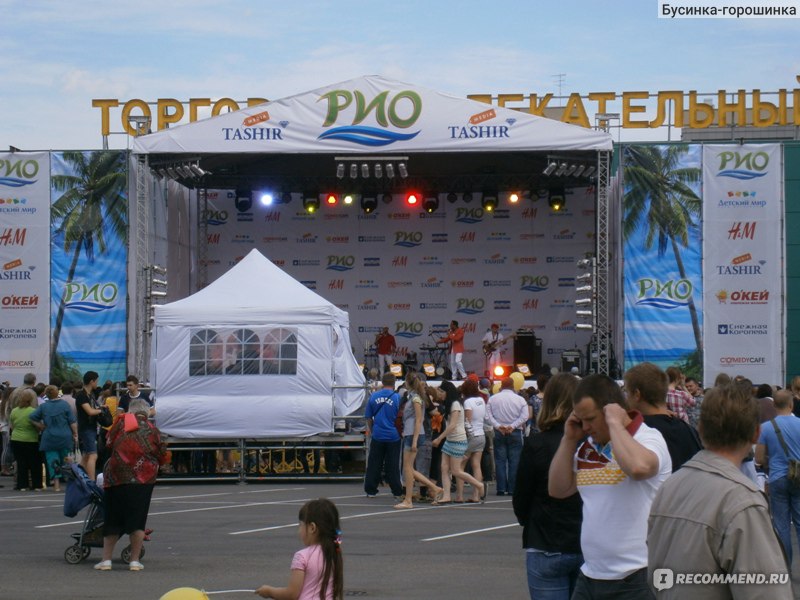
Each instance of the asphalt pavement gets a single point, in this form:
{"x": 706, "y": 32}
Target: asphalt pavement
{"x": 236, "y": 537}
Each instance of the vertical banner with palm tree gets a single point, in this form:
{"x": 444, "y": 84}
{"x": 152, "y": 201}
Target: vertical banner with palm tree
{"x": 662, "y": 247}
{"x": 89, "y": 217}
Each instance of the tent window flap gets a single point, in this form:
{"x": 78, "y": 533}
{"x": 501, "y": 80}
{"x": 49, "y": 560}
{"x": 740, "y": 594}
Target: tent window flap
{"x": 243, "y": 351}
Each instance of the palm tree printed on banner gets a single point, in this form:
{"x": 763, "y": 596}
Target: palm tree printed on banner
{"x": 660, "y": 194}
{"x": 93, "y": 202}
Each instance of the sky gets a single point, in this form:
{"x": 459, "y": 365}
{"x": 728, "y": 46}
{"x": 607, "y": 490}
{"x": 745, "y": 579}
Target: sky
{"x": 55, "y": 56}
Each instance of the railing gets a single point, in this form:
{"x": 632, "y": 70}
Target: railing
{"x": 337, "y": 456}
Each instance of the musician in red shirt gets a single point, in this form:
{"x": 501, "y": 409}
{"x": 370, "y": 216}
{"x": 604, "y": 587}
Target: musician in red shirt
{"x": 386, "y": 347}
{"x": 455, "y": 336}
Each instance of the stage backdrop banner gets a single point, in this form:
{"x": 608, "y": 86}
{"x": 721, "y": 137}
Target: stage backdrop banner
{"x": 743, "y": 270}
{"x": 25, "y": 260}
{"x": 662, "y": 249}
{"x": 89, "y": 245}
{"x": 414, "y": 272}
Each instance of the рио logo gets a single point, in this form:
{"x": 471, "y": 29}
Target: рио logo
{"x": 407, "y": 329}
{"x": 340, "y": 263}
{"x": 401, "y": 111}
{"x": 215, "y": 217}
{"x": 92, "y": 299}
{"x": 408, "y": 239}
{"x": 534, "y": 283}
{"x": 743, "y": 166}
{"x": 469, "y": 215}
{"x": 18, "y": 173}
{"x": 667, "y": 295}
{"x": 470, "y": 306}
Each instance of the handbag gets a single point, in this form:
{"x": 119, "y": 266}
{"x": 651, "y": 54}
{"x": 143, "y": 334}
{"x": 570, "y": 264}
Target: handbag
{"x": 794, "y": 465}
{"x": 105, "y": 418}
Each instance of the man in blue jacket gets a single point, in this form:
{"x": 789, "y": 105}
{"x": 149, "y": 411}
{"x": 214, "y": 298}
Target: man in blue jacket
{"x": 384, "y": 448}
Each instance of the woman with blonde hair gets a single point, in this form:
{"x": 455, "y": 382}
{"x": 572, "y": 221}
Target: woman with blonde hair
{"x": 551, "y": 531}
{"x": 413, "y": 435}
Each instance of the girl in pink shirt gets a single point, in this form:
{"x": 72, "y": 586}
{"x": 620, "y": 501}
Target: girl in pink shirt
{"x": 316, "y": 572}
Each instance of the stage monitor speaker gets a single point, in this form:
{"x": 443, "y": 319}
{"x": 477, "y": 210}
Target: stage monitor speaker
{"x": 528, "y": 350}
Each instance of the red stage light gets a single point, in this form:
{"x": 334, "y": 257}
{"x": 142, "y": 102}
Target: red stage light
{"x": 412, "y": 199}
{"x": 331, "y": 199}
{"x": 499, "y": 372}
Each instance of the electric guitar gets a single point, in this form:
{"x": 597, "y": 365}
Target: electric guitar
{"x": 490, "y": 347}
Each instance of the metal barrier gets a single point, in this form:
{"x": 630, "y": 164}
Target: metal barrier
{"x": 335, "y": 456}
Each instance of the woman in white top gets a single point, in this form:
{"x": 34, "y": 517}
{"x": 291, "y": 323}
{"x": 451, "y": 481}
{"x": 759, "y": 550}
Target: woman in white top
{"x": 474, "y": 412}
{"x": 412, "y": 433}
{"x": 455, "y": 447}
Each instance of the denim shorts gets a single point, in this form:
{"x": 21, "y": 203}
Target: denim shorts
{"x": 88, "y": 441}
{"x": 408, "y": 441}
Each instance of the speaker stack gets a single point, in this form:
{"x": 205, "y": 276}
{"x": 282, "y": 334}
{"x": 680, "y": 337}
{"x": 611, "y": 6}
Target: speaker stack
{"x": 528, "y": 350}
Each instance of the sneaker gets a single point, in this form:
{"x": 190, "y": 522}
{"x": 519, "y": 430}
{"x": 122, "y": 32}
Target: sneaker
{"x": 371, "y": 495}
{"x": 103, "y": 565}
{"x": 135, "y": 565}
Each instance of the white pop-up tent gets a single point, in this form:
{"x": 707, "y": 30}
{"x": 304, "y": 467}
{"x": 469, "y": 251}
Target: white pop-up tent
{"x": 255, "y": 354}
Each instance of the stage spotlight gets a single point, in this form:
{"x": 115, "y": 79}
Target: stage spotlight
{"x": 369, "y": 203}
{"x": 412, "y": 198}
{"x": 185, "y": 172}
{"x": 387, "y": 198}
{"x": 589, "y": 171}
{"x": 390, "y": 171}
{"x": 348, "y": 199}
{"x": 378, "y": 171}
{"x": 365, "y": 170}
{"x": 514, "y": 197}
{"x": 548, "y": 170}
{"x": 198, "y": 171}
{"x": 286, "y": 197}
{"x": 579, "y": 170}
{"x": 556, "y": 199}
{"x": 340, "y": 171}
{"x": 431, "y": 203}
{"x": 402, "y": 170}
{"x": 499, "y": 372}
{"x": 561, "y": 169}
{"x": 452, "y": 197}
{"x": 570, "y": 170}
{"x": 466, "y": 197}
{"x": 171, "y": 172}
{"x": 311, "y": 203}
{"x": 331, "y": 199}
{"x": 267, "y": 199}
{"x": 489, "y": 201}
{"x": 354, "y": 171}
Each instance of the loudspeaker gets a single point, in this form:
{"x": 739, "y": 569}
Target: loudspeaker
{"x": 528, "y": 350}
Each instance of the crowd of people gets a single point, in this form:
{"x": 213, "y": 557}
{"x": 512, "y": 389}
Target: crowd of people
{"x": 45, "y": 427}
{"x": 616, "y": 484}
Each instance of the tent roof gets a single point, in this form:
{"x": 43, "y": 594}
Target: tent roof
{"x": 374, "y": 114}
{"x": 447, "y": 143}
{"x": 253, "y": 291}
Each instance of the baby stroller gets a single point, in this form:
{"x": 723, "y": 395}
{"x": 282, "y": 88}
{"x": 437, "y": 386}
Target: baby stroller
{"x": 81, "y": 492}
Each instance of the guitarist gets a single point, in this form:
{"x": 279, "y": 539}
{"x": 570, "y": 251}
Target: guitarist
{"x": 492, "y": 342}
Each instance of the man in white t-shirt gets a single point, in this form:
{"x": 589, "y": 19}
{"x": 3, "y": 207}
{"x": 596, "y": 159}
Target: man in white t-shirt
{"x": 617, "y": 470}
{"x": 492, "y": 342}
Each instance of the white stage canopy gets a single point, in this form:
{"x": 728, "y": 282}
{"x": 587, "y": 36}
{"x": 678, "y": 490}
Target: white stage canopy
{"x": 372, "y": 114}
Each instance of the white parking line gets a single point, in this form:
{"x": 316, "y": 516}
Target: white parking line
{"x": 474, "y": 531}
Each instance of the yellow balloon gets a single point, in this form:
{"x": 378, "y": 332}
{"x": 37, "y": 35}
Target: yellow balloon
{"x": 496, "y": 387}
{"x": 519, "y": 380}
{"x": 184, "y": 593}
